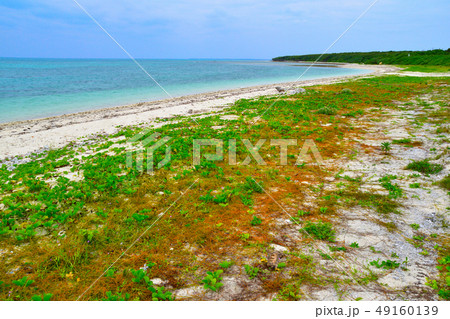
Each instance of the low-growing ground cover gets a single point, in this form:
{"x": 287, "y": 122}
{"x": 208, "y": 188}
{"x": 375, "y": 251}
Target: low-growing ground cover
{"x": 68, "y": 214}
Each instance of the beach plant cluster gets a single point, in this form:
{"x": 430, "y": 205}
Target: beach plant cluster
{"x": 385, "y": 264}
{"x": 78, "y": 207}
{"x": 212, "y": 280}
{"x": 158, "y": 293}
{"x": 251, "y": 271}
{"x": 442, "y": 286}
{"x": 319, "y": 230}
{"x": 394, "y": 190}
{"x": 425, "y": 167}
{"x": 386, "y": 147}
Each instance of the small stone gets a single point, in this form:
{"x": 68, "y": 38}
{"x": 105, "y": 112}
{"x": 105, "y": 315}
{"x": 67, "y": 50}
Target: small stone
{"x": 40, "y": 231}
{"x": 296, "y": 91}
{"x": 158, "y": 281}
{"x": 189, "y": 292}
{"x": 278, "y": 248}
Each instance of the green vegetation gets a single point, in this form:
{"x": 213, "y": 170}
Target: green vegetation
{"x": 386, "y": 147}
{"x": 159, "y": 293}
{"x": 381, "y": 203}
{"x": 281, "y": 265}
{"x": 226, "y": 264}
{"x": 319, "y": 230}
{"x": 426, "y": 68}
{"x": 256, "y": 221}
{"x": 139, "y": 276}
{"x": 44, "y": 297}
{"x": 431, "y": 57}
{"x": 23, "y": 282}
{"x": 442, "y": 286}
{"x": 252, "y": 272}
{"x": 445, "y": 182}
{"x": 116, "y": 297}
{"x": 327, "y": 111}
{"x": 406, "y": 142}
{"x": 69, "y": 213}
{"x": 333, "y": 248}
{"x": 212, "y": 281}
{"x": 385, "y": 264}
{"x": 402, "y": 141}
{"x": 394, "y": 190}
{"x": 425, "y": 167}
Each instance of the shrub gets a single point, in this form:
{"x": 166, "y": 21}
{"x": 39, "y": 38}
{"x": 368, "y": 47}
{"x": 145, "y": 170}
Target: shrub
{"x": 386, "y": 147}
{"x": 139, "y": 217}
{"x": 256, "y": 221}
{"x": 252, "y": 186}
{"x": 425, "y": 167}
{"x": 445, "y": 183}
{"x": 319, "y": 230}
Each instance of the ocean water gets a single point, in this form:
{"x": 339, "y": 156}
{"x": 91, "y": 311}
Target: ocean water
{"x": 38, "y": 88}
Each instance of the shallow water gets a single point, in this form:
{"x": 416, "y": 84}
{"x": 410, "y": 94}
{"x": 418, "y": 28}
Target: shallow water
{"x": 36, "y": 88}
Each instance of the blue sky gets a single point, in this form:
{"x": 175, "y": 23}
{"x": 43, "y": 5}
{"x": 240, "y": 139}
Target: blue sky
{"x": 256, "y": 29}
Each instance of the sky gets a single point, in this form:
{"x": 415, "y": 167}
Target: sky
{"x": 233, "y": 29}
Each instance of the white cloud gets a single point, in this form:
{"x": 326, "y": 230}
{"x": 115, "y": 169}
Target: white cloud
{"x": 199, "y": 12}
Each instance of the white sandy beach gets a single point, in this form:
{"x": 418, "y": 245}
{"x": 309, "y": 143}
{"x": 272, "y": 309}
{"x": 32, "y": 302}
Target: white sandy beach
{"x": 24, "y": 137}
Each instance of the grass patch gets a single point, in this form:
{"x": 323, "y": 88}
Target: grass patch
{"x": 381, "y": 203}
{"x": 394, "y": 190}
{"x": 327, "y": 111}
{"x": 426, "y": 68}
{"x": 425, "y": 167}
{"x": 406, "y": 142}
{"x": 443, "y": 129}
{"x": 445, "y": 183}
{"x": 319, "y": 230}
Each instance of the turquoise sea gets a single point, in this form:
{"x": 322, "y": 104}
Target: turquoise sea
{"x": 37, "y": 88}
